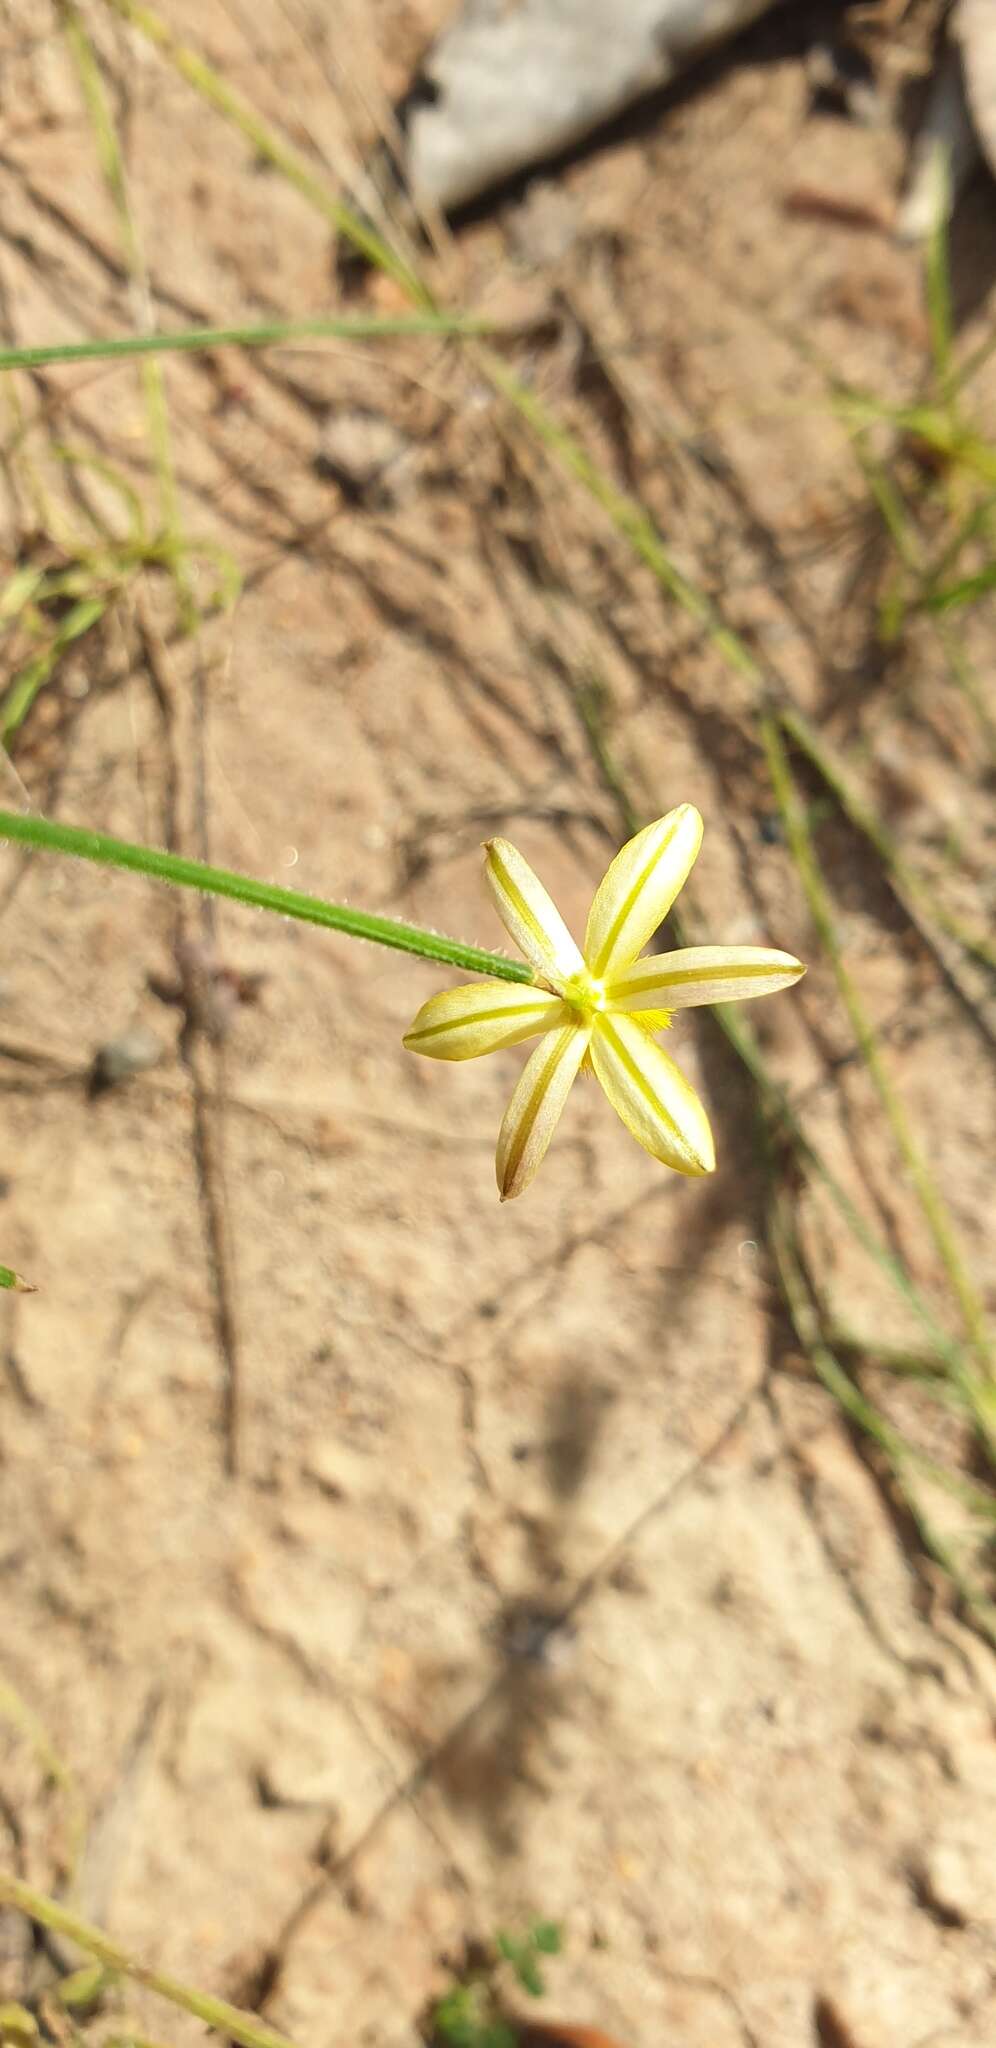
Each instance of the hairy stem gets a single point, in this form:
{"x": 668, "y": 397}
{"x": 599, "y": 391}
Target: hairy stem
{"x": 195, "y": 874}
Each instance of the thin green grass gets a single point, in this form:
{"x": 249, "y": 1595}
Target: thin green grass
{"x": 111, "y": 161}
{"x": 934, "y": 486}
{"x": 933, "y": 1206}
{"x": 26, "y": 682}
{"x": 907, "y": 1464}
{"x": 269, "y": 334}
{"x": 51, "y": 609}
{"x": 273, "y": 149}
{"x": 215, "y": 2013}
{"x": 46, "y": 611}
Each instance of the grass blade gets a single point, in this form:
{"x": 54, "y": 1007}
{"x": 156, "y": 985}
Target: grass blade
{"x": 224, "y": 2019}
{"x": 356, "y": 327}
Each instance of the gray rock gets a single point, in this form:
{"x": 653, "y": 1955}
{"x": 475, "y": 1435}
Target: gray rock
{"x": 370, "y": 459}
{"x": 959, "y": 124}
{"x": 514, "y": 81}
{"x": 975, "y": 29}
{"x": 945, "y": 153}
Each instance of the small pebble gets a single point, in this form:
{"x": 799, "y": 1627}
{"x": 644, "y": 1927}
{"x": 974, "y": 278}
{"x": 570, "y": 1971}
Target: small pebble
{"x": 133, "y": 1052}
{"x": 370, "y": 459}
{"x": 545, "y": 225}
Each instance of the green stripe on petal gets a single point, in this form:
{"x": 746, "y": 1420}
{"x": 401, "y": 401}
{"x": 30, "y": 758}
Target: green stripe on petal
{"x": 528, "y": 914}
{"x": 702, "y": 974}
{"x": 657, "y": 1105}
{"x": 534, "y": 1111}
{"x": 480, "y": 1017}
{"x": 638, "y": 890}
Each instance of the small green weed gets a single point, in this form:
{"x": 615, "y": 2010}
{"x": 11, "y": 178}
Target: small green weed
{"x": 471, "y": 2013}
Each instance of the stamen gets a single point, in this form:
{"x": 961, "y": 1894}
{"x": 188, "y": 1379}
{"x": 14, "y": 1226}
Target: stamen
{"x": 586, "y": 995}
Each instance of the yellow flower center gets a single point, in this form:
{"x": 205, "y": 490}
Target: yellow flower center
{"x": 586, "y": 996}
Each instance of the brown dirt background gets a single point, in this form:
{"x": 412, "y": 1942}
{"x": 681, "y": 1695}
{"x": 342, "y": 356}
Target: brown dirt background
{"x": 753, "y": 1773}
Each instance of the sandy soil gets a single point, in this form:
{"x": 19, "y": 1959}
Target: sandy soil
{"x": 549, "y": 1581}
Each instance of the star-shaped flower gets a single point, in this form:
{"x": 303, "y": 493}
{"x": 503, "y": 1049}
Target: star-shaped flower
{"x": 600, "y": 1008}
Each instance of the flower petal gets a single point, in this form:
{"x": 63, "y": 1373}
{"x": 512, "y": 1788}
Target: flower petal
{"x": 529, "y": 916}
{"x": 534, "y": 1111}
{"x": 481, "y": 1016}
{"x": 636, "y": 893}
{"x": 702, "y": 974}
{"x": 646, "y": 1089}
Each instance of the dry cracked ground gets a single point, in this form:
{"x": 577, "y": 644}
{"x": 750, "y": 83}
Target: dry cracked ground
{"x": 385, "y": 1565}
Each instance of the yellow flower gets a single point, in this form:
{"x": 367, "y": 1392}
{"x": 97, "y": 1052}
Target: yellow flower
{"x": 600, "y": 1008}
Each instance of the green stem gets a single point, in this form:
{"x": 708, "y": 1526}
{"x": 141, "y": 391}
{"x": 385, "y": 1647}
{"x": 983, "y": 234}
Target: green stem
{"x": 931, "y": 1201}
{"x": 112, "y": 164}
{"x": 865, "y": 820}
{"x": 778, "y": 1110}
{"x": 226, "y": 2020}
{"x": 626, "y": 514}
{"x": 902, "y": 1455}
{"x": 195, "y": 874}
{"x": 360, "y": 328}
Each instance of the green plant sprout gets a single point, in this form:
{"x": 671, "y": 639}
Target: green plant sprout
{"x": 934, "y": 489}
{"x": 8, "y": 1278}
{"x": 464, "y": 2018}
{"x": 470, "y": 2014}
{"x": 543, "y": 1939}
